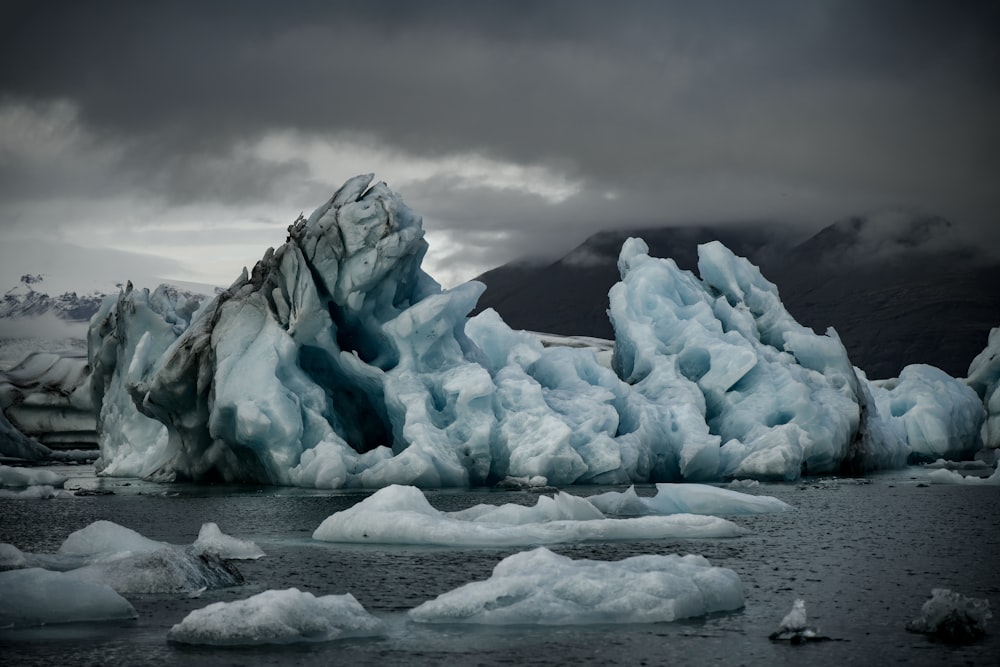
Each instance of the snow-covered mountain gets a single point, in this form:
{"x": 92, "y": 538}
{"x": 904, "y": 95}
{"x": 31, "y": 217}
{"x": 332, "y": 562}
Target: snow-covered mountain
{"x": 29, "y": 298}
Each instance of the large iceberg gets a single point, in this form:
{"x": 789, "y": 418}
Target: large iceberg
{"x": 337, "y": 362}
{"x": 540, "y": 587}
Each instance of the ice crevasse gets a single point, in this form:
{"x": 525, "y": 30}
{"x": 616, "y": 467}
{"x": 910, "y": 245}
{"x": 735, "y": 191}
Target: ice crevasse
{"x": 338, "y": 362}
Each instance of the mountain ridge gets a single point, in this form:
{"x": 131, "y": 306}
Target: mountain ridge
{"x": 899, "y": 287}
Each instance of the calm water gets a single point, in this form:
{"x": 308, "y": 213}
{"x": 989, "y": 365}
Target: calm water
{"x": 864, "y": 557}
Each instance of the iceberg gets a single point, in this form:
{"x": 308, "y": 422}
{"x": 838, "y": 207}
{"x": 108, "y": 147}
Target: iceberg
{"x": 338, "y": 363}
{"x": 686, "y": 498}
{"x": 984, "y": 378}
{"x": 937, "y": 415}
{"x": 540, "y": 587}
{"x": 276, "y": 617}
{"x": 402, "y": 515}
{"x": 781, "y": 400}
{"x": 952, "y": 617}
{"x": 34, "y": 596}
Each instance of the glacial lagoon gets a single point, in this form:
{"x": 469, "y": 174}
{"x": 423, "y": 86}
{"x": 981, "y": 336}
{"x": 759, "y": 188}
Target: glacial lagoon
{"x": 863, "y": 554}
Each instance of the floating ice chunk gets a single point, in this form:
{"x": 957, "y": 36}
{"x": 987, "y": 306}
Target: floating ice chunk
{"x": 686, "y": 498}
{"x": 952, "y": 617}
{"x": 23, "y": 477}
{"x": 743, "y": 484}
{"x": 213, "y": 541}
{"x": 402, "y": 515}
{"x": 276, "y": 617}
{"x": 943, "y": 476}
{"x": 957, "y": 465}
{"x": 40, "y": 492}
{"x": 38, "y": 597}
{"x": 172, "y": 569}
{"x": 106, "y": 537}
{"x": 11, "y": 557}
{"x": 109, "y": 554}
{"x": 540, "y": 587}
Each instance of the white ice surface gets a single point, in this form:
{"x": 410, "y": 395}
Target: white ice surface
{"x": 686, "y": 498}
{"x": 35, "y": 596}
{"x": 109, "y": 554}
{"x": 24, "y": 477}
{"x": 276, "y": 617}
{"x": 540, "y": 587}
{"x": 38, "y": 492}
{"x": 944, "y": 476}
{"x": 402, "y": 515}
{"x": 211, "y": 540}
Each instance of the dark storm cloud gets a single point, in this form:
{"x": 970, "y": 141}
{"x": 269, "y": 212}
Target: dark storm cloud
{"x": 718, "y": 104}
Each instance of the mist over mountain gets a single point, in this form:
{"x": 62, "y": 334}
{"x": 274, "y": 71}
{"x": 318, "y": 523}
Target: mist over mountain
{"x": 899, "y": 287}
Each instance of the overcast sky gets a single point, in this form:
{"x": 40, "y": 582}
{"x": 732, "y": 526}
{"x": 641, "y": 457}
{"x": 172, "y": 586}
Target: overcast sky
{"x": 197, "y": 131}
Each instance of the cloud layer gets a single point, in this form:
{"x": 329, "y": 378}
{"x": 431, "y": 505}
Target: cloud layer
{"x": 516, "y": 128}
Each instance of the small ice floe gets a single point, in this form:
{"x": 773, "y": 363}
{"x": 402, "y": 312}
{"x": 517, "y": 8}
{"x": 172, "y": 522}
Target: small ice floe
{"x": 35, "y": 492}
{"x": 277, "y": 617}
{"x": 129, "y": 563}
{"x": 543, "y": 588}
{"x": 35, "y": 596}
{"x": 794, "y": 627}
{"x": 213, "y": 541}
{"x": 743, "y": 484}
{"x": 945, "y": 476}
{"x": 958, "y": 465}
{"x": 402, "y": 515}
{"x": 952, "y": 617}
{"x": 687, "y": 498}
{"x": 20, "y": 478}
{"x": 11, "y": 557}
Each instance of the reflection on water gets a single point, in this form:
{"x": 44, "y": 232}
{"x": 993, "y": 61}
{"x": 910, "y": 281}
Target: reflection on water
{"x": 864, "y": 557}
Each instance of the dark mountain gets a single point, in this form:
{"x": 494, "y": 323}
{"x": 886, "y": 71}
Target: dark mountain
{"x": 898, "y": 288}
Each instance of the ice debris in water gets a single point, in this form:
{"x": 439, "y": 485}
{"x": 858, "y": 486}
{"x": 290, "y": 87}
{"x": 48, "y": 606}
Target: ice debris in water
{"x": 38, "y": 492}
{"x": 11, "y": 557}
{"x": 130, "y": 563}
{"x": 402, "y": 515}
{"x": 12, "y": 477}
{"x": 211, "y": 540}
{"x": 686, "y": 498}
{"x": 35, "y": 596}
{"x": 794, "y": 626}
{"x": 277, "y": 617}
{"x": 952, "y": 617}
{"x": 944, "y": 476}
{"x": 338, "y": 362}
{"x": 540, "y": 587}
